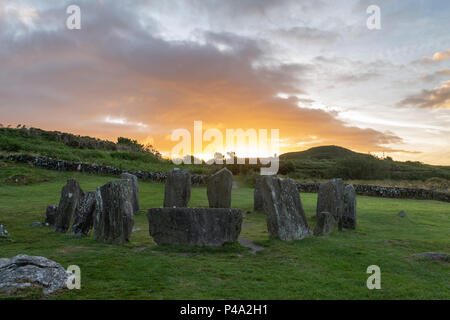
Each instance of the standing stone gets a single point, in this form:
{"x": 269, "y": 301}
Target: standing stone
{"x": 70, "y": 195}
{"x": 325, "y": 224}
{"x": 258, "y": 203}
{"x": 331, "y": 198}
{"x": 84, "y": 216}
{"x": 178, "y": 189}
{"x": 113, "y": 218}
{"x": 286, "y": 219}
{"x": 50, "y": 214}
{"x": 135, "y": 184}
{"x": 348, "y": 219}
{"x": 194, "y": 226}
{"x": 219, "y": 188}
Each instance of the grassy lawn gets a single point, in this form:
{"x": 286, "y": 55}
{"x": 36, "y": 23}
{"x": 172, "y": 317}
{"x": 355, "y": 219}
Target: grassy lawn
{"x": 329, "y": 267}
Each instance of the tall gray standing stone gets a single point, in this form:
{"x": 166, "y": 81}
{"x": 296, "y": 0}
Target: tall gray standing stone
{"x": 286, "y": 219}
{"x": 331, "y": 198}
{"x": 114, "y": 218}
{"x": 84, "y": 215}
{"x": 178, "y": 189}
{"x": 258, "y": 203}
{"x": 70, "y": 196}
{"x": 219, "y": 188}
{"x": 194, "y": 226}
{"x": 135, "y": 184}
{"x": 325, "y": 224}
{"x": 348, "y": 220}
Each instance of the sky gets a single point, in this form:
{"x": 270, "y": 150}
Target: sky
{"x": 311, "y": 69}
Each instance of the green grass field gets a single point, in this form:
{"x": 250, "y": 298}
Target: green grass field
{"x": 329, "y": 267}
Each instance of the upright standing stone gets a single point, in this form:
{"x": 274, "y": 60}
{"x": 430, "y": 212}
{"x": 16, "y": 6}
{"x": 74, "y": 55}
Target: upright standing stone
{"x": 286, "y": 219}
{"x": 331, "y": 198}
{"x": 135, "y": 184}
{"x": 50, "y": 214}
{"x": 348, "y": 220}
{"x": 84, "y": 216}
{"x": 325, "y": 224}
{"x": 258, "y": 203}
{"x": 70, "y": 195}
{"x": 219, "y": 188}
{"x": 113, "y": 218}
{"x": 178, "y": 189}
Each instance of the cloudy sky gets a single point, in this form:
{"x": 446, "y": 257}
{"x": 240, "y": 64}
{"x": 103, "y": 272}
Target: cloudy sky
{"x": 311, "y": 69}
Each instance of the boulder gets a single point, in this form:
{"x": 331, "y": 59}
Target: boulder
{"x": 402, "y": 214}
{"x": 22, "y": 272}
{"x": 286, "y": 219}
{"x": 325, "y": 223}
{"x": 113, "y": 217}
{"x": 258, "y": 203}
{"x": 84, "y": 215}
{"x": 194, "y": 226}
{"x": 70, "y": 195}
{"x": 219, "y": 188}
{"x": 50, "y": 214}
{"x": 178, "y": 189}
{"x": 3, "y": 232}
{"x": 331, "y": 198}
{"x": 348, "y": 219}
{"x": 135, "y": 184}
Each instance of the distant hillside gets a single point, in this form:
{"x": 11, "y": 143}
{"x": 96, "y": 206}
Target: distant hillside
{"x": 333, "y": 161}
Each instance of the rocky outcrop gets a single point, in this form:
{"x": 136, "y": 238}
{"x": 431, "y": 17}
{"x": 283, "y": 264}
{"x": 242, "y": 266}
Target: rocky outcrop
{"x": 84, "y": 215}
{"x": 114, "y": 218}
{"x": 258, "y": 203}
{"x": 331, "y": 198}
{"x": 325, "y": 223}
{"x": 70, "y": 196}
{"x": 348, "y": 219}
{"x": 22, "y": 272}
{"x": 286, "y": 219}
{"x": 50, "y": 214}
{"x": 219, "y": 188}
{"x": 135, "y": 184}
{"x": 194, "y": 226}
{"x": 178, "y": 189}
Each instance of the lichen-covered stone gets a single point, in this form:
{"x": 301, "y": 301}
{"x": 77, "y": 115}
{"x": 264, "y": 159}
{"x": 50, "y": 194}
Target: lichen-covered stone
{"x": 178, "y": 189}
{"x": 84, "y": 215}
{"x": 286, "y": 219}
{"x": 258, "y": 203}
{"x": 70, "y": 195}
{"x": 348, "y": 219}
{"x": 50, "y": 214}
{"x": 331, "y": 198}
{"x": 325, "y": 224}
{"x": 194, "y": 226}
{"x": 114, "y": 218}
{"x": 219, "y": 188}
{"x": 22, "y": 272}
{"x": 135, "y": 184}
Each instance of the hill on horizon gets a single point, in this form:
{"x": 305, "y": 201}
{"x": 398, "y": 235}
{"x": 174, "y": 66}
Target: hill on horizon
{"x": 331, "y": 152}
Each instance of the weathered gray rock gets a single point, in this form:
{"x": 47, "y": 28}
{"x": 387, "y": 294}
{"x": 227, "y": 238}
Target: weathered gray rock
{"x": 84, "y": 215}
{"x": 135, "y": 184}
{"x": 3, "y": 232}
{"x": 24, "y": 271}
{"x": 435, "y": 256}
{"x": 331, "y": 198}
{"x": 258, "y": 203}
{"x": 50, "y": 214}
{"x": 286, "y": 219}
{"x": 348, "y": 219}
{"x": 194, "y": 226}
{"x": 178, "y": 189}
{"x": 325, "y": 224}
{"x": 114, "y": 218}
{"x": 219, "y": 188}
{"x": 402, "y": 214}
{"x": 70, "y": 195}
